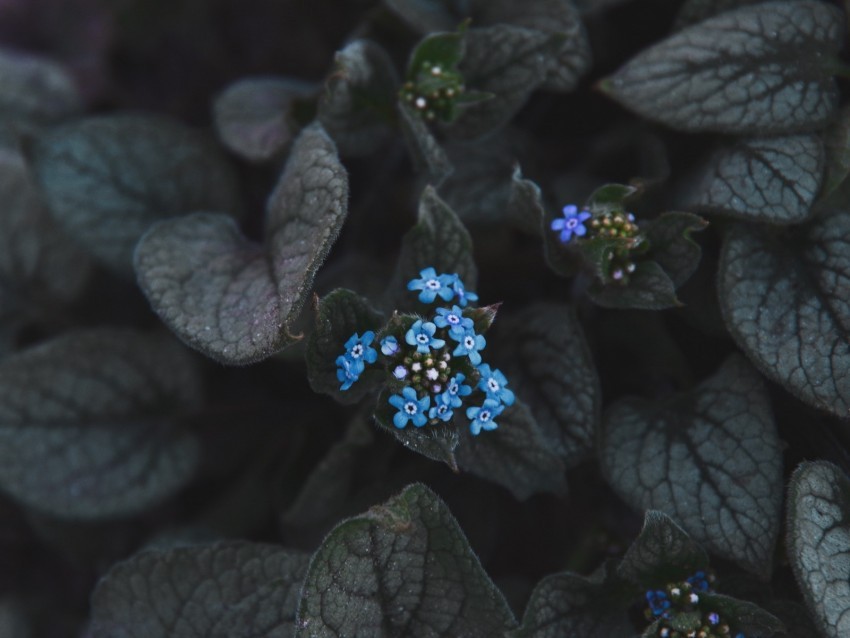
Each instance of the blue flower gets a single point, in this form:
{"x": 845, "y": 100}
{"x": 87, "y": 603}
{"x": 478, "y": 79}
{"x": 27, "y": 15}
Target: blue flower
{"x": 410, "y": 408}
{"x": 482, "y": 418}
{"x": 358, "y": 349}
{"x": 442, "y": 408}
{"x": 463, "y": 296}
{"x": 432, "y": 285}
{"x": 699, "y": 581}
{"x": 453, "y": 320}
{"x": 658, "y": 602}
{"x": 348, "y": 370}
{"x": 399, "y": 372}
{"x": 421, "y": 335}
{"x": 494, "y": 384}
{"x": 389, "y": 345}
{"x": 469, "y": 344}
{"x": 455, "y": 390}
{"x": 571, "y": 224}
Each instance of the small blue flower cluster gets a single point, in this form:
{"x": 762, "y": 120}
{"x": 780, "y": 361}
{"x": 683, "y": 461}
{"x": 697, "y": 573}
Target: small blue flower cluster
{"x": 672, "y": 608}
{"x": 434, "y": 362}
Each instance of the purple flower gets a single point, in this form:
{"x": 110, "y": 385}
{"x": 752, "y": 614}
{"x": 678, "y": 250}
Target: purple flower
{"x": 482, "y": 418}
{"x": 571, "y": 224}
{"x": 421, "y": 335}
{"x": 469, "y": 344}
{"x": 358, "y": 349}
{"x": 455, "y": 390}
{"x": 494, "y": 384}
{"x": 410, "y": 408}
{"x": 432, "y": 285}
{"x": 453, "y": 320}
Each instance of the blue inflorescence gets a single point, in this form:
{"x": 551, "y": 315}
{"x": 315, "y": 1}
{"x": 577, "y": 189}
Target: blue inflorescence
{"x": 434, "y": 362}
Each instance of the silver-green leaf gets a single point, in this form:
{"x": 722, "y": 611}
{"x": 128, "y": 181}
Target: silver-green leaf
{"x": 35, "y": 89}
{"x": 230, "y": 298}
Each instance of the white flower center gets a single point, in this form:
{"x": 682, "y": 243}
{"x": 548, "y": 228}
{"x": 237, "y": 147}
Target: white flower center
{"x": 357, "y": 351}
{"x": 423, "y": 338}
{"x": 484, "y": 416}
{"x": 572, "y": 223}
{"x": 469, "y": 342}
{"x": 493, "y": 385}
{"x": 453, "y": 319}
{"x": 432, "y": 284}
{"x": 411, "y": 408}
{"x": 442, "y": 409}
{"x": 453, "y": 388}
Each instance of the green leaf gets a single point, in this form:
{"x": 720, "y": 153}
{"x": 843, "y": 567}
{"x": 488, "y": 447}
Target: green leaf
{"x": 710, "y": 458}
{"x": 764, "y": 70}
{"x": 107, "y": 179}
{"x": 836, "y": 141}
{"x": 97, "y": 413}
{"x": 444, "y": 49}
{"x": 549, "y": 365}
{"x": 509, "y": 62}
{"x": 516, "y": 455}
{"x": 784, "y": 300}
{"x": 771, "y": 180}
{"x": 744, "y": 616}
{"x": 234, "y": 589}
{"x": 338, "y": 316}
{"x": 235, "y": 300}
{"x": 35, "y": 89}
{"x": 571, "y": 605}
{"x": 425, "y": 151}
{"x": 671, "y": 246}
{"x": 819, "y": 543}
{"x": 648, "y": 288}
{"x": 358, "y": 105}
{"x": 254, "y": 116}
{"x": 611, "y": 197}
{"x": 403, "y": 568}
{"x": 439, "y": 240}
{"x": 662, "y": 553}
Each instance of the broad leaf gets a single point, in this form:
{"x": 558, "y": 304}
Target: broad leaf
{"x": 549, "y": 365}
{"x": 425, "y": 16}
{"x": 235, "y": 300}
{"x": 784, "y": 298}
{"x": 429, "y": 158}
{"x": 97, "y": 413}
{"x": 710, "y": 458}
{"x": 748, "y": 619}
{"x": 358, "y": 105}
{"x": 232, "y": 589}
{"x": 479, "y": 187}
{"x": 339, "y": 315}
{"x": 401, "y": 569}
{"x": 772, "y": 180}
{"x": 35, "y": 89}
{"x": 819, "y": 543}
{"x": 648, "y": 288}
{"x": 671, "y": 245}
{"x": 836, "y": 141}
{"x": 107, "y": 179}
{"x": 254, "y": 116}
{"x": 763, "y": 69}
{"x": 694, "y": 11}
{"x": 516, "y": 455}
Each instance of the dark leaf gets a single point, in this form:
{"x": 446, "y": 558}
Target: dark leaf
{"x": 338, "y": 316}
{"x": 710, "y": 458}
{"x": 648, "y": 288}
{"x": 763, "y": 69}
{"x": 254, "y": 116}
{"x": 95, "y": 412}
{"x": 773, "y": 180}
{"x": 785, "y": 301}
{"x": 35, "y": 89}
{"x": 426, "y": 153}
{"x": 548, "y": 364}
{"x": 479, "y": 187}
{"x": 744, "y": 616}
{"x": 671, "y": 246}
{"x": 425, "y": 16}
{"x": 107, "y": 179}
{"x": 224, "y": 590}
{"x": 819, "y": 543}
{"x": 401, "y": 569}
{"x": 235, "y": 300}
{"x": 836, "y": 141}
{"x": 358, "y": 105}
{"x": 662, "y": 553}
{"x": 611, "y": 197}
{"x": 444, "y": 49}
{"x": 694, "y": 11}
{"x": 571, "y": 605}
{"x": 516, "y": 455}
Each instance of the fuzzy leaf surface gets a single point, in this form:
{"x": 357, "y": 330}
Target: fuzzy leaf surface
{"x": 694, "y": 11}
{"x": 224, "y": 590}
{"x": 35, "y": 88}
{"x": 671, "y": 244}
{"x": 761, "y": 69}
{"x": 230, "y": 298}
{"x": 819, "y": 543}
{"x": 773, "y": 180}
{"x": 785, "y": 301}
{"x": 710, "y": 458}
{"x": 96, "y": 412}
{"x": 107, "y": 179}
{"x": 649, "y": 288}
{"x": 427, "y": 155}
{"x": 402, "y": 569}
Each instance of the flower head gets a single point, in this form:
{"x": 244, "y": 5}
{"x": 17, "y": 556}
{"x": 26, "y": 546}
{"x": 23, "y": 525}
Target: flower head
{"x": 483, "y": 418}
{"x": 348, "y": 370}
{"x": 469, "y": 344}
{"x": 572, "y": 223}
{"x": 494, "y": 384}
{"x": 452, "y": 319}
{"x": 461, "y": 293}
{"x": 410, "y": 408}
{"x": 432, "y": 285}
{"x": 421, "y": 335}
{"x": 455, "y": 390}
{"x": 358, "y": 348}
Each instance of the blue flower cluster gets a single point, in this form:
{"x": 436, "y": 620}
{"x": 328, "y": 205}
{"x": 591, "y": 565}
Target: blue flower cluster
{"x": 673, "y": 610}
{"x": 433, "y": 362}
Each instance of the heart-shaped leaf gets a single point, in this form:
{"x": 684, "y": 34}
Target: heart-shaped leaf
{"x": 230, "y": 298}
{"x": 671, "y": 245}
{"x": 516, "y": 455}
{"x": 710, "y": 458}
{"x": 819, "y": 543}
{"x": 253, "y": 117}
{"x": 771, "y": 180}
{"x": 106, "y": 179}
{"x": 35, "y": 89}
{"x": 233, "y": 589}
{"x": 648, "y": 288}
{"x": 763, "y": 69}
{"x": 96, "y": 412}
{"x": 784, "y": 298}
{"x": 403, "y": 568}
